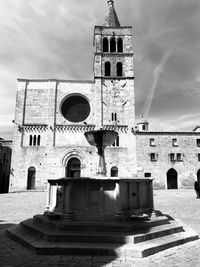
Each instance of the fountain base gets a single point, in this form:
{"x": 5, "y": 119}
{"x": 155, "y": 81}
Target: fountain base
{"x": 97, "y": 199}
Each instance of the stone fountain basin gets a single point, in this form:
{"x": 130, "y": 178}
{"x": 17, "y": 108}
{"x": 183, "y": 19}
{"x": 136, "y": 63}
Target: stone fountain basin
{"x": 101, "y": 137}
{"x": 97, "y": 199}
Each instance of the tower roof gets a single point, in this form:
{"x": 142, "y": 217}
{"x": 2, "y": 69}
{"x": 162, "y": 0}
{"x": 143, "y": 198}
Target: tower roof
{"x": 111, "y": 19}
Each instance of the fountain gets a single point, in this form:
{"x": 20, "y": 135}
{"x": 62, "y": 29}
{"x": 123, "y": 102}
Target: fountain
{"x": 100, "y": 215}
{"x": 99, "y": 198}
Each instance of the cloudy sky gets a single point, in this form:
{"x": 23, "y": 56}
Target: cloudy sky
{"x": 53, "y": 39}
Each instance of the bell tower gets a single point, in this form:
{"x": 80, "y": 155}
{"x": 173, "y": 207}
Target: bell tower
{"x": 114, "y": 100}
{"x": 113, "y": 70}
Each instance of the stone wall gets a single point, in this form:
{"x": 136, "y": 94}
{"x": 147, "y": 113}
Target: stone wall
{"x": 186, "y": 168}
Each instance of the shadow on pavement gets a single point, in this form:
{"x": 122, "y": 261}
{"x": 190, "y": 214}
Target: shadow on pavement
{"x": 5, "y": 225}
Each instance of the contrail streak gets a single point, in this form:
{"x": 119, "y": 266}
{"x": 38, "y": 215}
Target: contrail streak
{"x": 157, "y": 72}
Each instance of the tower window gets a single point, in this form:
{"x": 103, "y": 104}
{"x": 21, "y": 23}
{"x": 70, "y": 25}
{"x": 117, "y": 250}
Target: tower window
{"x": 112, "y": 45}
{"x": 107, "y": 69}
{"x": 198, "y": 156}
{"x": 120, "y": 45}
{"x": 119, "y": 69}
{"x": 105, "y": 45}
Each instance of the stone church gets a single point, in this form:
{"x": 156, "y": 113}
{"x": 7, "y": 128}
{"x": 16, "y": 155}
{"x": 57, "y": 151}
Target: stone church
{"x": 52, "y": 115}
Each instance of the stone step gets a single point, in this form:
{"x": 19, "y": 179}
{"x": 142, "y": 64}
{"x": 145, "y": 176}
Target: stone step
{"x": 100, "y": 226}
{"x": 153, "y": 246}
{"x": 44, "y": 247}
{"x": 82, "y": 248}
{"x": 53, "y": 235}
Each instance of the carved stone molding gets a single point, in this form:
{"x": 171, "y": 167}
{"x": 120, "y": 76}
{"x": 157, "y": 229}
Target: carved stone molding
{"x": 74, "y": 128}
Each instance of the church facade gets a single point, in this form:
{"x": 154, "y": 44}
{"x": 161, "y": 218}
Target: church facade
{"x": 52, "y": 115}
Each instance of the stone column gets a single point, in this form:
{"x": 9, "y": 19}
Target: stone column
{"x": 68, "y": 202}
{"x": 118, "y": 211}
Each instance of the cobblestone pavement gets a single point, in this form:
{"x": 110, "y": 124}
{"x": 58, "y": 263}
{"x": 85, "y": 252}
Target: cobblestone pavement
{"x": 180, "y": 204}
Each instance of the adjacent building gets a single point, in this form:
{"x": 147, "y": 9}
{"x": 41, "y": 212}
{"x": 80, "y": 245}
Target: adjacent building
{"x": 5, "y": 161}
{"x": 171, "y": 158}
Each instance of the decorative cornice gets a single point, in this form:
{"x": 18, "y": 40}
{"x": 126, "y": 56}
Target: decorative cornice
{"x": 34, "y": 127}
{"x": 117, "y": 128}
{"x": 114, "y": 54}
{"x": 74, "y": 128}
{"x": 164, "y": 133}
{"x": 115, "y": 78}
{"x": 54, "y": 80}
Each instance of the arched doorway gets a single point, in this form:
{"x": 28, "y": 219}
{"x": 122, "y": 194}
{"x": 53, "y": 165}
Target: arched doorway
{"x": 73, "y": 168}
{"x": 31, "y": 178}
{"x": 198, "y": 176}
{"x": 172, "y": 179}
{"x": 114, "y": 172}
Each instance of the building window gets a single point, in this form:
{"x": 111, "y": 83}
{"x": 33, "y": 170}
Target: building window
{"x": 198, "y": 142}
{"x": 30, "y": 140}
{"x": 112, "y": 45}
{"x": 143, "y": 127}
{"x": 178, "y": 156}
{"x": 114, "y": 172}
{"x": 38, "y": 140}
{"x": 114, "y": 117}
{"x": 119, "y": 69}
{"x": 153, "y": 156}
{"x": 120, "y": 45}
{"x": 172, "y": 156}
{"x": 198, "y": 156}
{"x": 152, "y": 141}
{"x": 174, "y": 142}
{"x": 147, "y": 174}
{"x": 107, "y": 69}
{"x": 105, "y": 45}
{"x": 116, "y": 142}
{"x": 34, "y": 140}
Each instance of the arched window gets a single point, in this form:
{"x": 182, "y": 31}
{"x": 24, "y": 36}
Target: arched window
{"x": 114, "y": 172}
{"x": 30, "y": 140}
{"x": 107, "y": 68}
{"x": 172, "y": 179}
{"x": 38, "y": 140}
{"x": 105, "y": 45}
{"x": 119, "y": 69}
{"x": 112, "y": 45}
{"x": 34, "y": 140}
{"x": 31, "y": 178}
{"x": 120, "y": 45}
